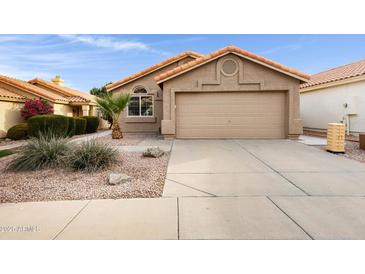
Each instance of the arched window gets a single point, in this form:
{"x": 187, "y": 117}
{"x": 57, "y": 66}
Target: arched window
{"x": 141, "y": 104}
{"x": 139, "y": 89}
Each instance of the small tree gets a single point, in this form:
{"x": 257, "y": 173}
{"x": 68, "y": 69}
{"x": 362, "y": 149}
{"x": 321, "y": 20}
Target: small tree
{"x": 114, "y": 105}
{"x": 34, "y": 107}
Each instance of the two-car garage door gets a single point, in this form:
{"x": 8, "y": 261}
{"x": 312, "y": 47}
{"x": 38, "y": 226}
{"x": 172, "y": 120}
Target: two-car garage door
{"x": 231, "y": 115}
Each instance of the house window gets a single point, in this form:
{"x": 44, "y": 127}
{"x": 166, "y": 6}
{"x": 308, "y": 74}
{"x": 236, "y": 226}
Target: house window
{"x": 141, "y": 104}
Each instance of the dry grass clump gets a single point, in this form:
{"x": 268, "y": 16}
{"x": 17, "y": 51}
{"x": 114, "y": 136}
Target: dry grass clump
{"x": 50, "y": 151}
{"x": 92, "y": 156}
{"x": 46, "y": 151}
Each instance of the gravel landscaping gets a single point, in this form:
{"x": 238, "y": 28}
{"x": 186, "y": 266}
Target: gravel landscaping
{"x": 352, "y": 151}
{"x": 6, "y": 142}
{"x": 148, "y": 176}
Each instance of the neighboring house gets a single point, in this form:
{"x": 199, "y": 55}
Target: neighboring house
{"x": 80, "y": 103}
{"x": 10, "y": 105}
{"x": 65, "y": 101}
{"x": 336, "y": 95}
{"x": 230, "y": 93}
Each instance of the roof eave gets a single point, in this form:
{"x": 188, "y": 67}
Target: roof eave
{"x": 82, "y": 103}
{"x": 31, "y": 92}
{"x": 63, "y": 102}
{"x": 10, "y": 99}
{"x": 333, "y": 83}
{"x": 147, "y": 73}
{"x": 302, "y": 79}
{"x": 45, "y": 84}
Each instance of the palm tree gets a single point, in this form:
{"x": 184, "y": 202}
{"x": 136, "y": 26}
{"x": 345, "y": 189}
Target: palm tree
{"x": 114, "y": 105}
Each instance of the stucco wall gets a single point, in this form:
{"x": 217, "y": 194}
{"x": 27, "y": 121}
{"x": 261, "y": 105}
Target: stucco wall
{"x": 146, "y": 124}
{"x": 9, "y": 116}
{"x": 62, "y": 109}
{"x": 320, "y": 107}
{"x": 250, "y": 77}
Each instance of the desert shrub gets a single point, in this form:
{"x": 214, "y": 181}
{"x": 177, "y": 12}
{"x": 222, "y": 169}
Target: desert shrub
{"x": 18, "y": 132}
{"x": 91, "y": 156}
{"x": 56, "y": 125}
{"x": 92, "y": 123}
{"x": 80, "y": 126}
{"x": 71, "y": 126}
{"x": 46, "y": 151}
{"x": 34, "y": 107}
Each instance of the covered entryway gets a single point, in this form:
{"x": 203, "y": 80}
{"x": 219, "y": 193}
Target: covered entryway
{"x": 231, "y": 114}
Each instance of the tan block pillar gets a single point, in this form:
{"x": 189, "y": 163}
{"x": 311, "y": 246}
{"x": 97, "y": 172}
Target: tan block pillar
{"x": 85, "y": 110}
{"x": 92, "y": 110}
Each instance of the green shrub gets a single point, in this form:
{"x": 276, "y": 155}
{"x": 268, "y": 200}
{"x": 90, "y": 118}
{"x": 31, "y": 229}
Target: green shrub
{"x": 46, "y": 151}
{"x": 80, "y": 126}
{"x": 71, "y": 126}
{"x": 91, "y": 156}
{"x": 92, "y": 123}
{"x": 56, "y": 125}
{"x": 18, "y": 132}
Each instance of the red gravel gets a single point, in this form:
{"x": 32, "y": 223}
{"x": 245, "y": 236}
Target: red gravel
{"x": 58, "y": 184}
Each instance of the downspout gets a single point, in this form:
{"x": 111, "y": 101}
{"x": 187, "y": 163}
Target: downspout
{"x": 347, "y": 119}
{"x": 347, "y": 124}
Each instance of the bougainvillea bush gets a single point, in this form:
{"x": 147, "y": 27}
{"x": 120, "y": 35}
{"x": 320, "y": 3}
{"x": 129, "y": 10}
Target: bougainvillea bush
{"x": 34, "y": 107}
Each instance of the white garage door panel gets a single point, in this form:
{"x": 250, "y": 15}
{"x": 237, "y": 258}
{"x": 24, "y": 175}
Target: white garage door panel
{"x": 230, "y": 115}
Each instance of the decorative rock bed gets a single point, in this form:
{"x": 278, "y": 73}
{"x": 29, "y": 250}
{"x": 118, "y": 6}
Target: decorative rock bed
{"x": 147, "y": 180}
{"x": 352, "y": 151}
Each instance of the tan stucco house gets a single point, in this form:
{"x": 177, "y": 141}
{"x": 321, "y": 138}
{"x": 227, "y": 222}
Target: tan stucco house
{"x": 65, "y": 101}
{"x": 336, "y": 95}
{"x": 230, "y": 93}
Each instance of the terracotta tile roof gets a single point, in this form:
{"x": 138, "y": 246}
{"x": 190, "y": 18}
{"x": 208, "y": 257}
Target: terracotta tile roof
{"x": 223, "y": 51}
{"x": 65, "y": 91}
{"x": 77, "y": 99}
{"x": 153, "y": 68}
{"x": 336, "y": 74}
{"x": 7, "y": 94}
{"x": 29, "y": 88}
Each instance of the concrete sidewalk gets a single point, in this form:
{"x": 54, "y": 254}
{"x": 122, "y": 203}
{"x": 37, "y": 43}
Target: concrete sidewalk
{"x": 87, "y": 137}
{"x": 96, "y": 219}
{"x": 278, "y": 217}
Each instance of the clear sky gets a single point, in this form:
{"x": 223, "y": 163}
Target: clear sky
{"x": 86, "y": 61}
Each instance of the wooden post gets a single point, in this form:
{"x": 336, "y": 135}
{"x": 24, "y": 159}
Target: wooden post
{"x": 362, "y": 140}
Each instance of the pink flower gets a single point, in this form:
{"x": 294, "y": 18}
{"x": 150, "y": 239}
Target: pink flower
{"x": 35, "y": 107}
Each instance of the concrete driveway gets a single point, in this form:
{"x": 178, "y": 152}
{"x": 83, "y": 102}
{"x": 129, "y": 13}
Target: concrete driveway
{"x": 217, "y": 189}
{"x": 265, "y": 189}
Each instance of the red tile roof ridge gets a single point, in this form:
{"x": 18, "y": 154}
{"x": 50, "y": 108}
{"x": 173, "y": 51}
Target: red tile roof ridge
{"x": 225, "y": 50}
{"x": 153, "y": 68}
